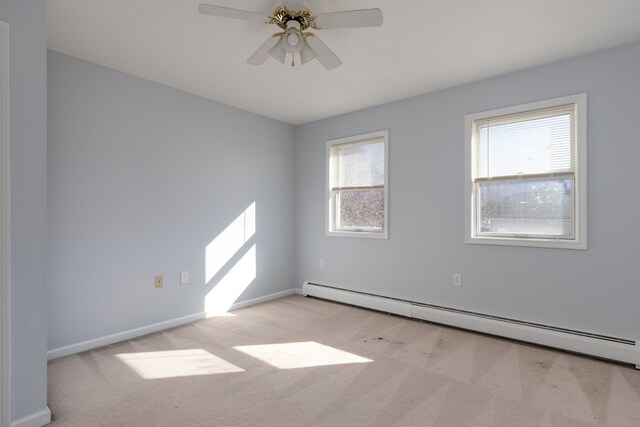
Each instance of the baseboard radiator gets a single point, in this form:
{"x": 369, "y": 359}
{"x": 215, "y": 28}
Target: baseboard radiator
{"x": 601, "y": 346}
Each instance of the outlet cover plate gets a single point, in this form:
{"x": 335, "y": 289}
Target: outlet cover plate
{"x": 457, "y": 279}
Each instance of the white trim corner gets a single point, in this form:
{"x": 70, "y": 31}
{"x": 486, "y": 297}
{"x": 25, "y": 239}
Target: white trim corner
{"x": 260, "y": 300}
{"x": 37, "y": 419}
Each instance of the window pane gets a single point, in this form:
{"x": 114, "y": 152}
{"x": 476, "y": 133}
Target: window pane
{"x": 360, "y": 165}
{"x": 528, "y": 146}
{"x": 360, "y": 209}
{"x": 535, "y": 207}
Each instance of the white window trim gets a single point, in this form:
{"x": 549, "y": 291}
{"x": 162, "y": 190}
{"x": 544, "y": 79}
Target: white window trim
{"x": 5, "y": 274}
{"x": 580, "y": 190}
{"x": 328, "y": 199}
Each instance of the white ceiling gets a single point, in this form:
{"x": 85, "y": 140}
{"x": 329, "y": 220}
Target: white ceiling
{"x": 423, "y": 46}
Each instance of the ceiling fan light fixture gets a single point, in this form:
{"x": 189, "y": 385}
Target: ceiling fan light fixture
{"x": 278, "y": 51}
{"x": 294, "y": 19}
{"x": 293, "y": 24}
{"x": 293, "y": 41}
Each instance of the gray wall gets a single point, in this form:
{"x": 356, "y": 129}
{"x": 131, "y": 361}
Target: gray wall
{"x": 28, "y": 203}
{"x": 141, "y": 178}
{"x": 595, "y": 290}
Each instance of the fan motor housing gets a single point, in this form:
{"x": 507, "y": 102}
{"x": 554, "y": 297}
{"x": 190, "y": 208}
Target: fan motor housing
{"x": 282, "y": 14}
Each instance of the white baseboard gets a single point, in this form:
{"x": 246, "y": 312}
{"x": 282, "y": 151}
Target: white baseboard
{"x": 387, "y": 305}
{"x": 121, "y": 336}
{"x": 155, "y": 327}
{"x": 266, "y": 298}
{"x": 37, "y": 419}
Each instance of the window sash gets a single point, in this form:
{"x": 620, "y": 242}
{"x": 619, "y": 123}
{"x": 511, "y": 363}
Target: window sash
{"x": 508, "y": 178}
{"x": 335, "y": 193}
{"x": 337, "y": 178}
{"x": 572, "y": 219}
{"x": 560, "y": 156}
{"x": 364, "y": 187}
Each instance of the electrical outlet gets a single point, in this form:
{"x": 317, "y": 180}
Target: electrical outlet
{"x": 159, "y": 281}
{"x": 321, "y": 263}
{"x": 184, "y": 277}
{"x": 457, "y": 279}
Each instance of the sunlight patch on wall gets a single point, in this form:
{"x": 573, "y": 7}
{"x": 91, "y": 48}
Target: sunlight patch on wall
{"x": 226, "y": 292}
{"x": 221, "y": 249}
{"x": 177, "y": 363}
{"x": 300, "y": 355}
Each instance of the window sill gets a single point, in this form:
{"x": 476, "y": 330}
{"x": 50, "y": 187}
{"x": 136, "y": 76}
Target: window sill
{"x": 358, "y": 234}
{"x": 529, "y": 242}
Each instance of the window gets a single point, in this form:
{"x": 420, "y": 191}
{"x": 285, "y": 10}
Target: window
{"x": 357, "y": 190}
{"x": 526, "y": 175}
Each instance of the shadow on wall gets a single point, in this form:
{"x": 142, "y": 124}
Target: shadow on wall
{"x": 230, "y": 263}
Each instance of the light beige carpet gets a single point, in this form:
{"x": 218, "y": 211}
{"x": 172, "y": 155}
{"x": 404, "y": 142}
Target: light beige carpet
{"x": 305, "y": 362}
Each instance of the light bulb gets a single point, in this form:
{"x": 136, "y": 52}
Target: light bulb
{"x": 293, "y": 42}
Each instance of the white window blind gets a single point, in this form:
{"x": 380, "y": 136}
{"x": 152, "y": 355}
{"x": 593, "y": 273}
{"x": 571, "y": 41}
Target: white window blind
{"x": 358, "y": 165}
{"x": 532, "y": 143}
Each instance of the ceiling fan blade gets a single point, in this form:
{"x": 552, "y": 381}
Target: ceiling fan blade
{"x": 227, "y": 12}
{"x": 261, "y": 55}
{"x": 294, "y": 5}
{"x": 307, "y": 54}
{"x": 350, "y": 19}
{"x": 325, "y": 55}
{"x": 278, "y": 51}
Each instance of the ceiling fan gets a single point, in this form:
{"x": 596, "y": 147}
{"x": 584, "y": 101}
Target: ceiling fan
{"x": 295, "y": 20}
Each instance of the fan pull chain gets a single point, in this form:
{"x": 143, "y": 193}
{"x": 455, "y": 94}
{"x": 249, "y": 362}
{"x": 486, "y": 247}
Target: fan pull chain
{"x": 293, "y": 60}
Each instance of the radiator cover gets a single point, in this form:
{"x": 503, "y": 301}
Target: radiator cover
{"x": 601, "y": 346}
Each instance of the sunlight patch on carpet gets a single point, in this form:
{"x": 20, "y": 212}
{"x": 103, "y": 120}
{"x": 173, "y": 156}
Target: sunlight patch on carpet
{"x": 177, "y": 363}
{"x": 300, "y": 355}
